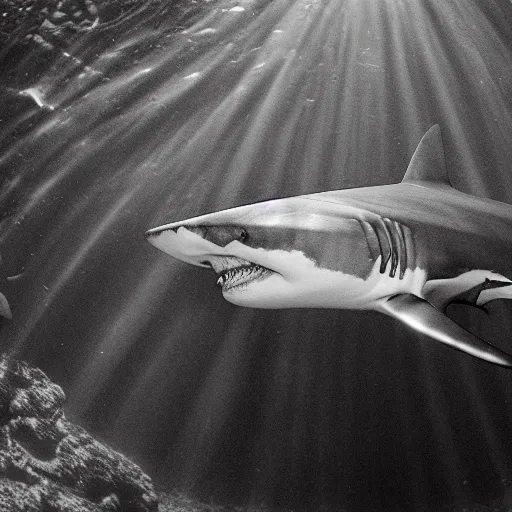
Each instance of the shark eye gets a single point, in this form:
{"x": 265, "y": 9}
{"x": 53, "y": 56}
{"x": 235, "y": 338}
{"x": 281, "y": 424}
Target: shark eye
{"x": 243, "y": 235}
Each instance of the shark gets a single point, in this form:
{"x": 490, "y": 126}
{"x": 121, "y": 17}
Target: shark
{"x": 407, "y": 250}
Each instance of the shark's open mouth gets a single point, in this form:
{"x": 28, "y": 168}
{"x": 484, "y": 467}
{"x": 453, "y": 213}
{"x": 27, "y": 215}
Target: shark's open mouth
{"x": 240, "y": 276}
{"x": 235, "y": 272}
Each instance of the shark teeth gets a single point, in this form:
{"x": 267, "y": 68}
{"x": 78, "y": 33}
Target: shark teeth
{"x": 237, "y": 276}
{"x": 235, "y": 272}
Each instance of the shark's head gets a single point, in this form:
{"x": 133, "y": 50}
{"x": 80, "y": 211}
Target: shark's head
{"x": 292, "y": 252}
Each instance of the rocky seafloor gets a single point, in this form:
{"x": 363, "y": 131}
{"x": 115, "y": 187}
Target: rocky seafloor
{"x": 50, "y": 464}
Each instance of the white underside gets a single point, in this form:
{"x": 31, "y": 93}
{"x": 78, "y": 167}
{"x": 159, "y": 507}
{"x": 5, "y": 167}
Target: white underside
{"x": 305, "y": 285}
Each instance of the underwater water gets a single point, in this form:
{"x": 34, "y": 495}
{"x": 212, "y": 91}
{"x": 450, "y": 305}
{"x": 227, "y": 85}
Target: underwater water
{"x": 178, "y": 111}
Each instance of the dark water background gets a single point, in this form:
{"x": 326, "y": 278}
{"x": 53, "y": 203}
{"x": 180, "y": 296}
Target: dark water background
{"x": 181, "y": 109}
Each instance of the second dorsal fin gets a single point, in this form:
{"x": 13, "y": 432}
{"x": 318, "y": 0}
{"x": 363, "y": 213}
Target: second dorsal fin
{"x": 428, "y": 164}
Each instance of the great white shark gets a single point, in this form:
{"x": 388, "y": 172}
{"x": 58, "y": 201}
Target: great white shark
{"x": 407, "y": 250}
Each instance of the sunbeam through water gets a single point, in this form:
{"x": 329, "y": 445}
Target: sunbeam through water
{"x": 184, "y": 109}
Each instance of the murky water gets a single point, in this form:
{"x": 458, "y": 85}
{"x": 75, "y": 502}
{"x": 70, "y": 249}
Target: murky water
{"x": 178, "y": 112}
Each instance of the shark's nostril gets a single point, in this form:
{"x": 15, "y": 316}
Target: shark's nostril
{"x": 207, "y": 263}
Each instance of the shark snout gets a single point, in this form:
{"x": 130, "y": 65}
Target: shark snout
{"x": 198, "y": 245}
{"x": 218, "y": 235}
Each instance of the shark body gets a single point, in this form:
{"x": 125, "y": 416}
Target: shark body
{"x": 407, "y": 250}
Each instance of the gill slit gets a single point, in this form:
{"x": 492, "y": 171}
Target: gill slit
{"x": 392, "y": 241}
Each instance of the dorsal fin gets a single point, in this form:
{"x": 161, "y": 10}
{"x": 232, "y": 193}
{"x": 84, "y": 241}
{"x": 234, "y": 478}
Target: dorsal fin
{"x": 428, "y": 164}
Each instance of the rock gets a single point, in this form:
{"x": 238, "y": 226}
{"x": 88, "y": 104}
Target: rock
{"x": 58, "y": 15}
{"x": 50, "y": 464}
{"x": 91, "y": 8}
{"x": 42, "y": 42}
{"x": 48, "y": 25}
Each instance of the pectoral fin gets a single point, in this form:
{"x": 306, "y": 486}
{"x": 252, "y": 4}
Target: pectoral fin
{"x": 425, "y": 318}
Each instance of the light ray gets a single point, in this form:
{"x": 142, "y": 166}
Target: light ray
{"x": 179, "y": 116}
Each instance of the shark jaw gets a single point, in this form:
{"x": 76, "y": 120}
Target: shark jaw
{"x": 236, "y": 273}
